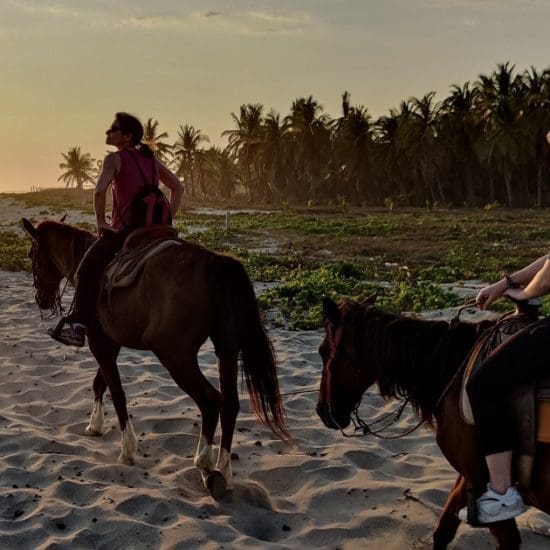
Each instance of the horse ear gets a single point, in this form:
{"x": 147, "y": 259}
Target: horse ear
{"x": 30, "y": 229}
{"x": 369, "y": 300}
{"x": 63, "y": 218}
{"x": 331, "y": 311}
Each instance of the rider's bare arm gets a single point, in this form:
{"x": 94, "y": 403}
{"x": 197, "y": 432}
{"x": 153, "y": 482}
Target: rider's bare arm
{"x": 539, "y": 284}
{"x": 173, "y": 183}
{"x": 110, "y": 167}
{"x": 522, "y": 277}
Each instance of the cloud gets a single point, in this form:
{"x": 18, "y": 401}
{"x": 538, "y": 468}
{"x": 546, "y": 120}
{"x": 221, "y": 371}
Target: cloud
{"x": 486, "y": 4}
{"x": 248, "y": 22}
{"x": 53, "y": 9}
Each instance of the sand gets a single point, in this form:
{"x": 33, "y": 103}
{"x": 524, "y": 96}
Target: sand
{"x": 62, "y": 489}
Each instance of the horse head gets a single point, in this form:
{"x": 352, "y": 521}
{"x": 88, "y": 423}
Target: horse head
{"x": 47, "y": 275}
{"x": 346, "y": 373}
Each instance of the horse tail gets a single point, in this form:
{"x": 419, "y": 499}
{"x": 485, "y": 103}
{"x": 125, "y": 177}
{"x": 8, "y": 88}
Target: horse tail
{"x": 239, "y": 317}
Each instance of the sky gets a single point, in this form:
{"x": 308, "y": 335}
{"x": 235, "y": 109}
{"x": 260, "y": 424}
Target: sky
{"x": 67, "y": 66}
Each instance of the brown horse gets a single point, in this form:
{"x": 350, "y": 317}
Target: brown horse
{"x": 416, "y": 360}
{"x": 184, "y": 295}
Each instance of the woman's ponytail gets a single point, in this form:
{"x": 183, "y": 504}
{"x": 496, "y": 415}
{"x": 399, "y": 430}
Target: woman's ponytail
{"x": 145, "y": 149}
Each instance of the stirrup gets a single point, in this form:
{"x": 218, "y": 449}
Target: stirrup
{"x": 69, "y": 336}
{"x": 55, "y": 332}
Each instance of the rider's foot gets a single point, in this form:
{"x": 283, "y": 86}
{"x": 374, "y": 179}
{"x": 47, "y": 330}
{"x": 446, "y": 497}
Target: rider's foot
{"x": 72, "y": 335}
{"x": 493, "y": 507}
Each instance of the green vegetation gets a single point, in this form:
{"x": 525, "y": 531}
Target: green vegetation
{"x": 402, "y": 255}
{"x": 13, "y": 252}
{"x": 56, "y": 201}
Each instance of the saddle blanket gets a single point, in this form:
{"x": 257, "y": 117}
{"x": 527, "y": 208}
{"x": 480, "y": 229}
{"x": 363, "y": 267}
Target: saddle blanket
{"x": 128, "y": 264}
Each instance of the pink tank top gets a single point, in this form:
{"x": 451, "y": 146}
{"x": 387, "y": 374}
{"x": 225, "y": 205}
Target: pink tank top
{"x": 129, "y": 181}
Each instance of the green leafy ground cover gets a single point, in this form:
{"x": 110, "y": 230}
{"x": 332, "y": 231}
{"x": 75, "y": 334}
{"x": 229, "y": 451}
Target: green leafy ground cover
{"x": 310, "y": 254}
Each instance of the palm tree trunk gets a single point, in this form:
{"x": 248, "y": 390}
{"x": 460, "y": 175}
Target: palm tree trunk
{"x": 508, "y": 183}
{"x": 539, "y": 183}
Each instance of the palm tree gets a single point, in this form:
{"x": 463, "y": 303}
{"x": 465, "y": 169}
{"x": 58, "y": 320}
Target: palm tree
{"x": 218, "y": 168}
{"x": 185, "y": 152}
{"x": 536, "y": 121}
{"x": 353, "y": 138}
{"x": 79, "y": 168}
{"x": 460, "y": 129}
{"x": 387, "y": 155}
{"x": 274, "y": 153}
{"x": 310, "y": 137}
{"x": 244, "y": 142}
{"x": 154, "y": 140}
{"x": 421, "y": 133}
{"x": 502, "y": 144}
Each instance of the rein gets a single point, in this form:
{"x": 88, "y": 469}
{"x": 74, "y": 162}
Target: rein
{"x": 57, "y": 309}
{"x": 360, "y": 427}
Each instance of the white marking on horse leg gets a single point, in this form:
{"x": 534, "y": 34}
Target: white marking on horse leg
{"x": 224, "y": 465}
{"x": 129, "y": 445}
{"x": 95, "y": 427}
{"x": 204, "y": 460}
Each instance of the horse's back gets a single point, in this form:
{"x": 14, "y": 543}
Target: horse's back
{"x": 176, "y": 293}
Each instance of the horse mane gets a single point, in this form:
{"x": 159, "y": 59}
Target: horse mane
{"x": 64, "y": 230}
{"x": 72, "y": 241}
{"x": 415, "y": 358}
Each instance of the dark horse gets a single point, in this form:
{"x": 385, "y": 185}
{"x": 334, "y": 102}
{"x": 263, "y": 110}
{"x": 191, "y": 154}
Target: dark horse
{"x": 184, "y": 295}
{"x": 416, "y": 360}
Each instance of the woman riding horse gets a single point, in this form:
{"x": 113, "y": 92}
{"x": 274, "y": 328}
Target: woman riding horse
{"x": 519, "y": 359}
{"x": 125, "y": 171}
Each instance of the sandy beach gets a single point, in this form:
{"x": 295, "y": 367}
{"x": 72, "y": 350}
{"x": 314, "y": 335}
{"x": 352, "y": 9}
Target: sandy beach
{"x": 62, "y": 489}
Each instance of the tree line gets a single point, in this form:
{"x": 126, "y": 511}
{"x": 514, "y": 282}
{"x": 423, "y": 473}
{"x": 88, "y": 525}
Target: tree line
{"x": 485, "y": 143}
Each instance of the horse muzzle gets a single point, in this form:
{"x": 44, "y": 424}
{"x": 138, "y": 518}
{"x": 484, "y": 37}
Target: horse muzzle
{"x": 331, "y": 418}
{"x": 44, "y": 302}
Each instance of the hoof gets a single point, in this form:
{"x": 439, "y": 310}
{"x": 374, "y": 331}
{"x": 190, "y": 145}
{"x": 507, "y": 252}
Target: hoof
{"x": 92, "y": 432}
{"x": 127, "y": 460}
{"x": 216, "y": 484}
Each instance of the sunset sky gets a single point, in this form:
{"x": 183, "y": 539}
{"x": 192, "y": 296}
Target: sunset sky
{"x": 66, "y": 66}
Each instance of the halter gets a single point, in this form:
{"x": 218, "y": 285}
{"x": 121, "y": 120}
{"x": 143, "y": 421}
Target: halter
{"x": 359, "y": 425}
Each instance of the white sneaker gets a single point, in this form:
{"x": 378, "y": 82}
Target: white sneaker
{"x": 493, "y": 507}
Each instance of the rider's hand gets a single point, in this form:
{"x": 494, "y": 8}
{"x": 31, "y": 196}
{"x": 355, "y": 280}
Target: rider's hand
{"x": 489, "y": 294}
{"x": 103, "y": 227}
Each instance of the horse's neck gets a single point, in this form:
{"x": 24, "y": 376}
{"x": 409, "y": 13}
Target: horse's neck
{"x": 418, "y": 359}
{"x": 68, "y": 250}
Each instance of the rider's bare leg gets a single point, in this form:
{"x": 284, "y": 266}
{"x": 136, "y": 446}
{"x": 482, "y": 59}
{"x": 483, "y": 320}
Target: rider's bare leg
{"x": 500, "y": 471}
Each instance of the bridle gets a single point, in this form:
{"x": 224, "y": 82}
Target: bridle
{"x": 57, "y": 308}
{"x": 360, "y": 427}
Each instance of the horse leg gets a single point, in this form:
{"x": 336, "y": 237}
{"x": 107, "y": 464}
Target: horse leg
{"x": 95, "y": 427}
{"x": 448, "y": 523}
{"x": 189, "y": 378}
{"x": 228, "y": 368}
{"x": 106, "y": 351}
{"x": 507, "y": 534}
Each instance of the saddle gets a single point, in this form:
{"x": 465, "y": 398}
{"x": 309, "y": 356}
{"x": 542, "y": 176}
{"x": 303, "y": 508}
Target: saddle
{"x": 530, "y": 403}
{"x": 141, "y": 245}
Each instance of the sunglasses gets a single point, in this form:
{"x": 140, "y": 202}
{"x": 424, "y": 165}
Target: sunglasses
{"x": 113, "y": 128}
